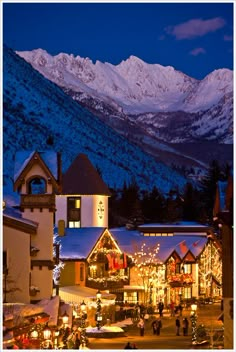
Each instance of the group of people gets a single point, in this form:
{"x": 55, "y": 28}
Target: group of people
{"x": 175, "y": 309}
{"x": 185, "y": 325}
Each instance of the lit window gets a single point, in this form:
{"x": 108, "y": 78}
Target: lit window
{"x": 73, "y": 212}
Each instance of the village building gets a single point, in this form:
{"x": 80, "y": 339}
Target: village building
{"x": 28, "y": 230}
{"x": 71, "y": 210}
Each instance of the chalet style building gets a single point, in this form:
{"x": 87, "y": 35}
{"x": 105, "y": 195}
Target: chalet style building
{"x": 72, "y": 210}
{"x": 28, "y": 231}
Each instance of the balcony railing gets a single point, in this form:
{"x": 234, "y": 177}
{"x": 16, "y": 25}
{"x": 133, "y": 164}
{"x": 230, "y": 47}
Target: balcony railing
{"x": 38, "y": 201}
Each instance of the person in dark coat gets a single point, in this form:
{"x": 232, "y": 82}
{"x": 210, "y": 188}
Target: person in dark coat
{"x": 154, "y": 327}
{"x": 177, "y": 324}
{"x": 128, "y": 346}
{"x": 185, "y": 327}
{"x": 160, "y": 308}
{"x": 159, "y": 326}
{"x": 141, "y": 327}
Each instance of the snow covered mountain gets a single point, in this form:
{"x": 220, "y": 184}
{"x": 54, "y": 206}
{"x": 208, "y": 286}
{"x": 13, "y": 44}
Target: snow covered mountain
{"x": 38, "y": 115}
{"x": 160, "y": 102}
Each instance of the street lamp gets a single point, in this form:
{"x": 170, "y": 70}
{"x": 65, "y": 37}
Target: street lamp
{"x": 65, "y": 319}
{"x": 193, "y": 318}
{"x": 83, "y": 328}
{"x": 99, "y": 308}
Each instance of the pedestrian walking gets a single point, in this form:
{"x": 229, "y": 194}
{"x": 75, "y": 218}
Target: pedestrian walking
{"x": 160, "y": 307}
{"x": 159, "y": 326}
{"x": 180, "y": 308}
{"x": 185, "y": 326}
{"x": 141, "y": 327}
{"x": 177, "y": 325}
{"x": 154, "y": 327}
{"x": 172, "y": 309}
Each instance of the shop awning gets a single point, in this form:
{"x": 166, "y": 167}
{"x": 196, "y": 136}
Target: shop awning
{"x": 77, "y": 294}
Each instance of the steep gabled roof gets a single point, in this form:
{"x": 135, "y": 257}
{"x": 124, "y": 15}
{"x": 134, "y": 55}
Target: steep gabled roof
{"x": 24, "y": 161}
{"x": 83, "y": 179}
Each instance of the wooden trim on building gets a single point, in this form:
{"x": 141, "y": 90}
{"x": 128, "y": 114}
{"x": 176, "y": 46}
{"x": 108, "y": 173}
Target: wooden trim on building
{"x": 20, "y": 225}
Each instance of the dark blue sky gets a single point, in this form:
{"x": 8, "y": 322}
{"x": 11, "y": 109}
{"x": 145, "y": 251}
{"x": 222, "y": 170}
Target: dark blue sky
{"x": 195, "y": 38}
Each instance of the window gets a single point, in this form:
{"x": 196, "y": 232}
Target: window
{"x": 37, "y": 186}
{"x": 183, "y": 268}
{"x": 131, "y": 297}
{"x": 187, "y": 292}
{"x": 73, "y": 211}
{"x": 187, "y": 268}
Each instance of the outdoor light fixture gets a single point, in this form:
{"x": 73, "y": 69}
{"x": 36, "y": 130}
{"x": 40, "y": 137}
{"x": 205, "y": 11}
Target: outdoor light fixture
{"x": 47, "y": 333}
{"x": 193, "y": 318}
{"x": 34, "y": 334}
{"x": 98, "y": 294}
{"x": 65, "y": 318}
{"x": 98, "y": 310}
{"x": 83, "y": 329}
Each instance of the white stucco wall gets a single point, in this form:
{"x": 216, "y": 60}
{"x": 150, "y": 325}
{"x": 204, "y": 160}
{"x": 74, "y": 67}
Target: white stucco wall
{"x": 43, "y": 240}
{"x": 61, "y": 209}
{"x": 17, "y": 245}
{"x": 89, "y": 210}
{"x": 42, "y": 278}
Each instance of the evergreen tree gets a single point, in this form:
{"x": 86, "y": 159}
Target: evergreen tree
{"x": 208, "y": 187}
{"x": 191, "y": 204}
{"x": 153, "y": 205}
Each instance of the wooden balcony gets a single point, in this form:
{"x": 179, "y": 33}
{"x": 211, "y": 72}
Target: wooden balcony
{"x": 39, "y": 201}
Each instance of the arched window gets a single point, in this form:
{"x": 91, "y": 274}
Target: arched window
{"x": 37, "y": 186}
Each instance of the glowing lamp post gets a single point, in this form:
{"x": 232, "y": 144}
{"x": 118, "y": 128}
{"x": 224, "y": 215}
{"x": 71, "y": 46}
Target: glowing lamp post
{"x": 99, "y": 308}
{"x": 83, "y": 329}
{"x": 193, "y": 318}
{"x": 47, "y": 333}
{"x": 65, "y": 319}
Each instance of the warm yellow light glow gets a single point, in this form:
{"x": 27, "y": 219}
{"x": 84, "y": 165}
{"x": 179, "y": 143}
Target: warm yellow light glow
{"x": 65, "y": 318}
{"x": 47, "y": 333}
{"x": 34, "y": 334}
{"x": 194, "y": 307}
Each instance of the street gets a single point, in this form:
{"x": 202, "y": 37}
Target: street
{"x": 207, "y": 315}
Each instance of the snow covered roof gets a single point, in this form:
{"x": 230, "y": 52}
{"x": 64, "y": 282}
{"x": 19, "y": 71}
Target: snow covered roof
{"x": 83, "y": 179}
{"x": 12, "y": 217}
{"x": 179, "y": 227}
{"x": 83, "y": 292}
{"x": 129, "y": 241}
{"x": 22, "y": 158}
{"x": 77, "y": 243}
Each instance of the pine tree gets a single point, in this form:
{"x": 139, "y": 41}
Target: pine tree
{"x": 208, "y": 187}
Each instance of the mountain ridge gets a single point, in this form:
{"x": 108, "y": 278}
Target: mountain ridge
{"x": 136, "y": 92}
{"x": 38, "y": 115}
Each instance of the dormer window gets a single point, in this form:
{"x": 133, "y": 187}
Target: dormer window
{"x": 37, "y": 186}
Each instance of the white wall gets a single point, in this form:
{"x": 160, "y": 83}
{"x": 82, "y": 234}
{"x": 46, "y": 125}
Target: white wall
{"x": 89, "y": 210}
{"x": 61, "y": 209}
{"x": 17, "y": 245}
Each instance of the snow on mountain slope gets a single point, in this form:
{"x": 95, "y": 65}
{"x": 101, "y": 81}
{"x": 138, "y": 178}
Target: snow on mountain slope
{"x": 136, "y": 86}
{"x": 38, "y": 115}
{"x": 169, "y": 104}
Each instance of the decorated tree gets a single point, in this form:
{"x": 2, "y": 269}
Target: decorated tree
{"x": 150, "y": 273}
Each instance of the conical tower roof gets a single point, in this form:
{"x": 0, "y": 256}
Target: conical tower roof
{"x": 82, "y": 178}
